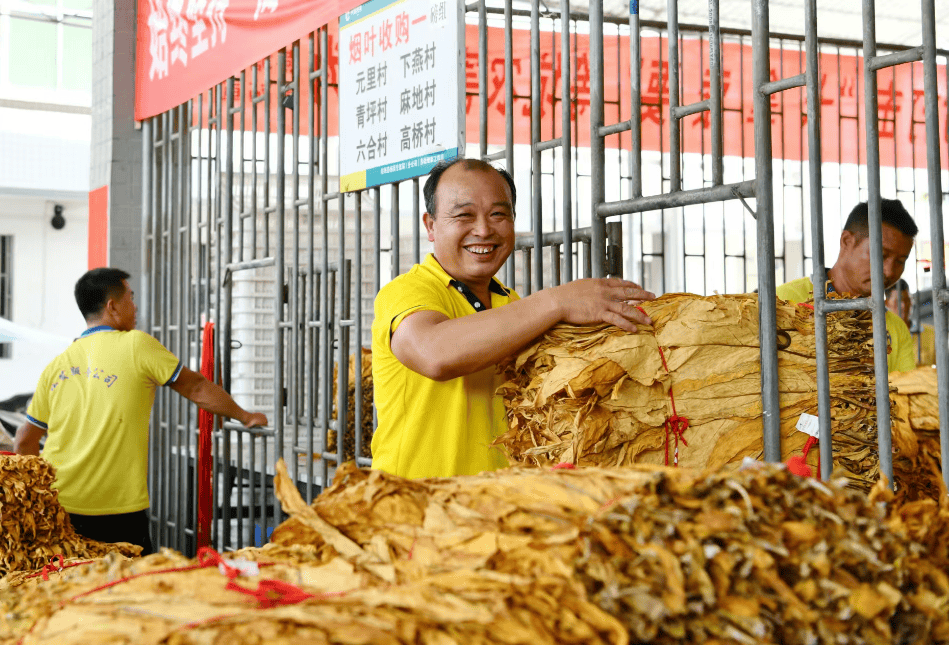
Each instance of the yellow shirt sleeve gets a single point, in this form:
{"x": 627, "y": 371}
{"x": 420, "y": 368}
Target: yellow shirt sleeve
{"x": 796, "y": 291}
{"x": 156, "y": 362}
{"x": 403, "y": 297}
{"x": 901, "y": 357}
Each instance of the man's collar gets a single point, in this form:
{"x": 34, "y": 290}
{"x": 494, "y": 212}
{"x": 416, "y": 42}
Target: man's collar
{"x": 494, "y": 287}
{"x": 96, "y": 329}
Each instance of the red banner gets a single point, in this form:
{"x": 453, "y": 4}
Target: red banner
{"x": 900, "y": 91}
{"x": 184, "y": 48}
{"x": 843, "y": 138}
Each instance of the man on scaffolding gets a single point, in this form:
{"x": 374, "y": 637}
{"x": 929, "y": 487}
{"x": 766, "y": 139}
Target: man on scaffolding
{"x": 441, "y": 328}
{"x": 850, "y": 275}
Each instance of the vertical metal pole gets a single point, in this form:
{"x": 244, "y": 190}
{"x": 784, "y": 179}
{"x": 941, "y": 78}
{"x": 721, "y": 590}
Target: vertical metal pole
{"x": 395, "y": 234}
{"x": 819, "y": 275}
{"x": 165, "y": 322}
{"x": 146, "y": 286}
{"x": 294, "y": 368}
{"x": 675, "y": 144}
{"x": 312, "y": 371}
{"x": 483, "y": 77}
{"x": 536, "y": 275}
{"x": 509, "y": 85}
{"x": 357, "y": 346}
{"x": 877, "y": 298}
{"x": 254, "y": 180}
{"x": 715, "y": 90}
{"x": 636, "y": 103}
{"x": 326, "y": 354}
{"x": 597, "y": 151}
{"x": 566, "y": 113}
{"x": 416, "y": 228}
{"x": 279, "y": 269}
{"x": 342, "y": 346}
{"x": 767, "y": 314}
{"x": 146, "y": 277}
{"x": 933, "y": 163}
{"x": 225, "y": 252}
{"x": 182, "y": 429}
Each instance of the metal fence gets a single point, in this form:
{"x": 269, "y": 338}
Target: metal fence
{"x": 244, "y": 224}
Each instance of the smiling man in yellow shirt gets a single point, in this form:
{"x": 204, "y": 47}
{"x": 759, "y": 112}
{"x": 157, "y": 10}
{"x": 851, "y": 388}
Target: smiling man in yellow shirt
{"x": 441, "y": 328}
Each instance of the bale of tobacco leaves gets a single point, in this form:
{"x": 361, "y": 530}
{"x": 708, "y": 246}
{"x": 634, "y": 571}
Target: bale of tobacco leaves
{"x": 33, "y": 526}
{"x": 914, "y": 398}
{"x": 590, "y": 555}
{"x": 597, "y": 395}
{"x": 365, "y": 423}
{"x": 755, "y": 556}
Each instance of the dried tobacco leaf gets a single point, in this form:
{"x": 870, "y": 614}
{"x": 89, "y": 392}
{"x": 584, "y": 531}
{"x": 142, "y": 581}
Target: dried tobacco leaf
{"x": 596, "y": 395}
{"x": 365, "y": 425}
{"x": 33, "y": 526}
{"x": 590, "y": 555}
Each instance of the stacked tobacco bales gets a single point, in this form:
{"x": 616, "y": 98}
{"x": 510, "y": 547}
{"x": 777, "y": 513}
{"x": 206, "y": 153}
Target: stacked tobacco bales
{"x": 349, "y": 438}
{"x": 33, "y": 526}
{"x": 601, "y": 396}
{"x": 592, "y": 555}
{"x": 915, "y": 403}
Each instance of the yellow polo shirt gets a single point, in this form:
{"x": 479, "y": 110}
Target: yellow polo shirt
{"x": 900, "y": 357}
{"x": 429, "y": 428}
{"x": 95, "y": 400}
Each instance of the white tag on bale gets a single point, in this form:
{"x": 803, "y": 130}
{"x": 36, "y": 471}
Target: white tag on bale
{"x": 808, "y": 424}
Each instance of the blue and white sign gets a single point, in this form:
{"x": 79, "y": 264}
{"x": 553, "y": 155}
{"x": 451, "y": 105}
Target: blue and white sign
{"x": 400, "y": 97}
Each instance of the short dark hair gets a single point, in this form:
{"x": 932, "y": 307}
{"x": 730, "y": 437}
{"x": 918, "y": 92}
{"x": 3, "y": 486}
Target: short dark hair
{"x": 435, "y": 175}
{"x": 894, "y": 214}
{"x": 96, "y": 286}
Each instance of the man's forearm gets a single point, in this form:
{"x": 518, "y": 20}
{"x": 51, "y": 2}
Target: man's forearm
{"x": 213, "y": 398}
{"x": 27, "y": 440}
{"x": 461, "y": 346}
{"x": 441, "y": 348}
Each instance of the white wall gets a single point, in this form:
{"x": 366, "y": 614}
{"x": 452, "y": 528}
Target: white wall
{"x": 46, "y": 265}
{"x": 44, "y": 161}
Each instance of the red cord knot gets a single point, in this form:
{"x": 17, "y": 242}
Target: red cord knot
{"x": 271, "y": 593}
{"x": 676, "y": 426}
{"x": 56, "y": 564}
{"x": 798, "y": 464}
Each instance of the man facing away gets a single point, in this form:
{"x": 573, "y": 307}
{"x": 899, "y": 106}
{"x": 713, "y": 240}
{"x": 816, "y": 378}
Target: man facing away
{"x": 94, "y": 402}
{"x": 441, "y": 328}
{"x": 850, "y": 275}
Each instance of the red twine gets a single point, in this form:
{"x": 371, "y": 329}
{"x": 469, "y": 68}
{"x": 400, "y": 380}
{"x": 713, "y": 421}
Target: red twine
{"x": 674, "y": 425}
{"x": 798, "y": 465}
{"x": 54, "y": 567}
{"x": 566, "y": 465}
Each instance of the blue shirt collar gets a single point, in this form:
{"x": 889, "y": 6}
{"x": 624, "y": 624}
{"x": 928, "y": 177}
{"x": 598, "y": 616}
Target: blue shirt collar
{"x": 97, "y": 328}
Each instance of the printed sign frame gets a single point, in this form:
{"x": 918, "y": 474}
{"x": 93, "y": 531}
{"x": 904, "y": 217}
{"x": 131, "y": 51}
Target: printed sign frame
{"x": 428, "y": 124}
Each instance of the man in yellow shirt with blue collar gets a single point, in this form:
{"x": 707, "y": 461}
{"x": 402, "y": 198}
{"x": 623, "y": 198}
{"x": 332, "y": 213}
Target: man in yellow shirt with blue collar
{"x": 850, "y": 275}
{"x": 94, "y": 402}
{"x": 441, "y": 328}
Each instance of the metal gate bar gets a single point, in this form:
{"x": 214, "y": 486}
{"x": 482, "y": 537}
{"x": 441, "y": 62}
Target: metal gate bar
{"x": 939, "y": 290}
